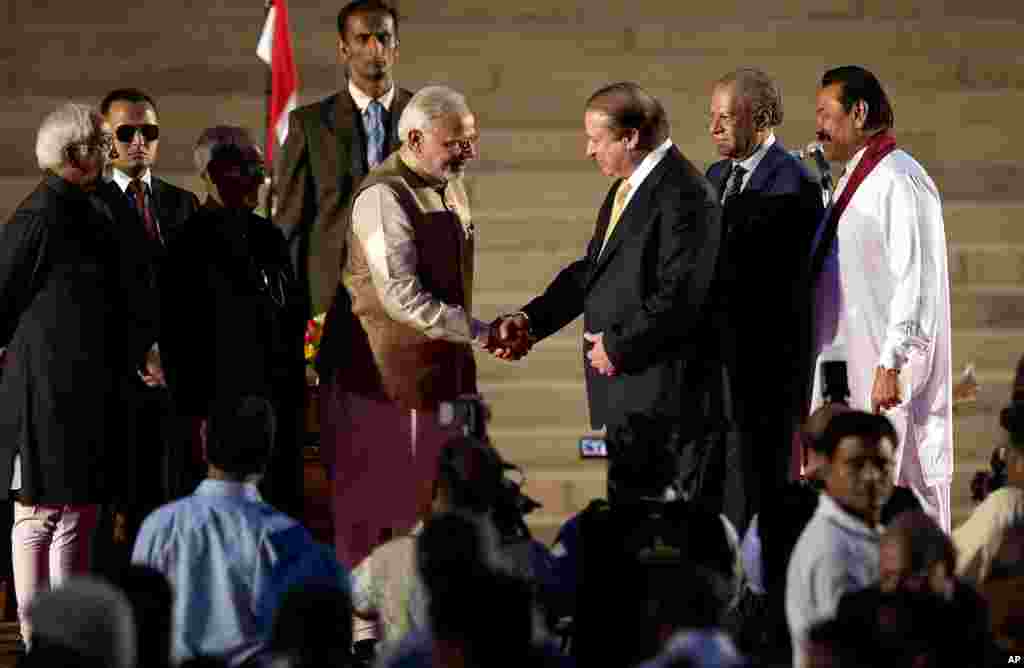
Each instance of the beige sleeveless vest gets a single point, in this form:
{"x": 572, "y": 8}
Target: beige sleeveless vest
{"x": 392, "y": 360}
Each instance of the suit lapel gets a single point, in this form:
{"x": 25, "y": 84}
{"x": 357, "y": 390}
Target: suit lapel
{"x": 636, "y": 214}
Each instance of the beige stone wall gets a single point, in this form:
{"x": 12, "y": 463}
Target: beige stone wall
{"x": 953, "y": 70}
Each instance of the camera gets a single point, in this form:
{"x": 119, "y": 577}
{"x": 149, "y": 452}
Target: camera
{"x": 468, "y": 413}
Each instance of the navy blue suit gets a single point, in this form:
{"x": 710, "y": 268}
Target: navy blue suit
{"x": 761, "y": 310}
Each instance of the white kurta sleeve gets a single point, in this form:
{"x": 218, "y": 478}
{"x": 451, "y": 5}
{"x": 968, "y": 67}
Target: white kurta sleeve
{"x": 914, "y": 308}
{"x": 387, "y": 236}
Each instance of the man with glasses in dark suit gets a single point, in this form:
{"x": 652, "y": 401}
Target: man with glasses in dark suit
{"x": 149, "y": 212}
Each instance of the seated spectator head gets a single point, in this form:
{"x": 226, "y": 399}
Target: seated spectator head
{"x": 152, "y": 600}
{"x": 1009, "y": 559}
{"x": 643, "y": 459}
{"x": 917, "y": 555}
{"x": 88, "y": 616}
{"x": 453, "y": 544}
{"x": 239, "y": 436}
{"x": 810, "y": 438}
{"x": 1012, "y": 420}
{"x": 313, "y": 626}
{"x": 835, "y": 644}
{"x": 469, "y": 476}
{"x": 230, "y": 164}
{"x": 72, "y": 144}
{"x": 684, "y": 596}
{"x": 859, "y": 452}
{"x": 463, "y": 636}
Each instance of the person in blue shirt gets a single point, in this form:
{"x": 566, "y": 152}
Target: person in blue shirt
{"x": 229, "y": 556}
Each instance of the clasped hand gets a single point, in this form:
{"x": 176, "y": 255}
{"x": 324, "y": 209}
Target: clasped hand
{"x": 509, "y": 337}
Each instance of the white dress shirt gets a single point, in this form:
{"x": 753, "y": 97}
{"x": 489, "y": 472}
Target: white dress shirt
{"x": 363, "y": 100}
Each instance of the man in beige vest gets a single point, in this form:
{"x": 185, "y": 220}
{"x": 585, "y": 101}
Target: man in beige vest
{"x": 409, "y": 274}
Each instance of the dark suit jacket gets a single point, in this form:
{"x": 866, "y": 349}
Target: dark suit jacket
{"x": 315, "y": 173}
{"x": 233, "y": 325}
{"x": 646, "y": 292}
{"x": 171, "y": 204}
{"x": 142, "y": 463}
{"x": 761, "y": 294}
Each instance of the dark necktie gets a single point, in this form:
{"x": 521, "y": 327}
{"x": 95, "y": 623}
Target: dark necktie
{"x": 138, "y": 191}
{"x": 374, "y": 133}
{"x": 735, "y": 182}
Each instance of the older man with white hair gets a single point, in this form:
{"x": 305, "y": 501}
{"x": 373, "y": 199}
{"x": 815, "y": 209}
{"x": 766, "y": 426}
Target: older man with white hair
{"x": 233, "y": 319}
{"x": 407, "y": 342}
{"x": 75, "y": 331}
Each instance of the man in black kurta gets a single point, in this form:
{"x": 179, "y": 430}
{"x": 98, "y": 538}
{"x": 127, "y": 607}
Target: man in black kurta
{"x": 75, "y": 330}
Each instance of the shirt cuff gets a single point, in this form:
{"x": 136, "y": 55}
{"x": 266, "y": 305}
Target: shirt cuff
{"x": 479, "y": 330}
{"x": 891, "y": 359}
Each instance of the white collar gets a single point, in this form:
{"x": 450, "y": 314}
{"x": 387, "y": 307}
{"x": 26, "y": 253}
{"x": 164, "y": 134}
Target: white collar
{"x": 829, "y": 509}
{"x": 122, "y": 180}
{"x": 647, "y": 166}
{"x": 751, "y": 162}
{"x": 852, "y": 163}
{"x": 363, "y": 100}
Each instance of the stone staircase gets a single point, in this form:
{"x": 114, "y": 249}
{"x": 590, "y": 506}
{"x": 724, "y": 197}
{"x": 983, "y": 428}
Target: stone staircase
{"x": 953, "y": 70}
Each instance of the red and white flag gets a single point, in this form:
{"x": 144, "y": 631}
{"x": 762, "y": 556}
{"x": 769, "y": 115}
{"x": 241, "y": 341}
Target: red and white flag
{"x": 275, "y": 49}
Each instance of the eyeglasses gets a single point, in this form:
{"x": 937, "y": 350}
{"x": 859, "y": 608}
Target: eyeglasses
{"x": 102, "y": 144}
{"x": 462, "y": 145}
{"x": 126, "y": 133}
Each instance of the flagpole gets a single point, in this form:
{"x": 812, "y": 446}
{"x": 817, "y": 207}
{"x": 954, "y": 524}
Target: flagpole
{"x": 267, "y": 93}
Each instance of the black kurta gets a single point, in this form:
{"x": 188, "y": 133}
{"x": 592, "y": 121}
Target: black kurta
{"x": 76, "y": 328}
{"x": 233, "y": 325}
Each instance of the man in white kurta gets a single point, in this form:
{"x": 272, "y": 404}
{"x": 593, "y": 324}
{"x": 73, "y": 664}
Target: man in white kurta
{"x": 882, "y": 300}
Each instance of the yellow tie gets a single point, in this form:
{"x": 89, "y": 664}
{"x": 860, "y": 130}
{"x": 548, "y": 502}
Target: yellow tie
{"x": 620, "y": 203}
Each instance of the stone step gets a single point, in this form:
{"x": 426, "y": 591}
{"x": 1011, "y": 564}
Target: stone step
{"x": 518, "y": 263}
{"x": 994, "y": 350}
{"x": 994, "y": 305}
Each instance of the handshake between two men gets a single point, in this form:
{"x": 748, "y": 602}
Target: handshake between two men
{"x": 509, "y": 338}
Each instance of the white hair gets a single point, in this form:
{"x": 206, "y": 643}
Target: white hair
{"x": 428, "y": 105}
{"x": 220, "y": 135}
{"x": 69, "y": 124}
{"x": 89, "y": 616}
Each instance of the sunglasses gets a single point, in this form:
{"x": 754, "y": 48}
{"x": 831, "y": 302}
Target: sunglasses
{"x": 126, "y": 133}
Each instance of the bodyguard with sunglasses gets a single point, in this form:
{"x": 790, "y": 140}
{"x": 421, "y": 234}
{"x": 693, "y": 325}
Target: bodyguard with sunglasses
{"x": 233, "y": 321}
{"x": 148, "y": 212}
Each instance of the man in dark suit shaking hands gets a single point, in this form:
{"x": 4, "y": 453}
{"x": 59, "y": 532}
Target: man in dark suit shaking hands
{"x": 761, "y": 298}
{"x": 643, "y": 282}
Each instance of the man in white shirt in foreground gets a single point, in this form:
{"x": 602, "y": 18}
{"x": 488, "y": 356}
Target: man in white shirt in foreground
{"x": 838, "y": 550}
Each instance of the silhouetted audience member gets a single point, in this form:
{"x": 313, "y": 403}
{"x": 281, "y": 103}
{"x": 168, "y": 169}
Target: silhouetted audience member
{"x": 1004, "y": 591}
{"x": 84, "y": 616}
{"x": 685, "y": 608}
{"x": 152, "y": 601}
{"x": 388, "y": 594}
{"x": 917, "y": 556}
{"x": 312, "y": 627}
{"x": 229, "y": 556}
{"x": 979, "y": 538}
{"x": 480, "y": 614}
